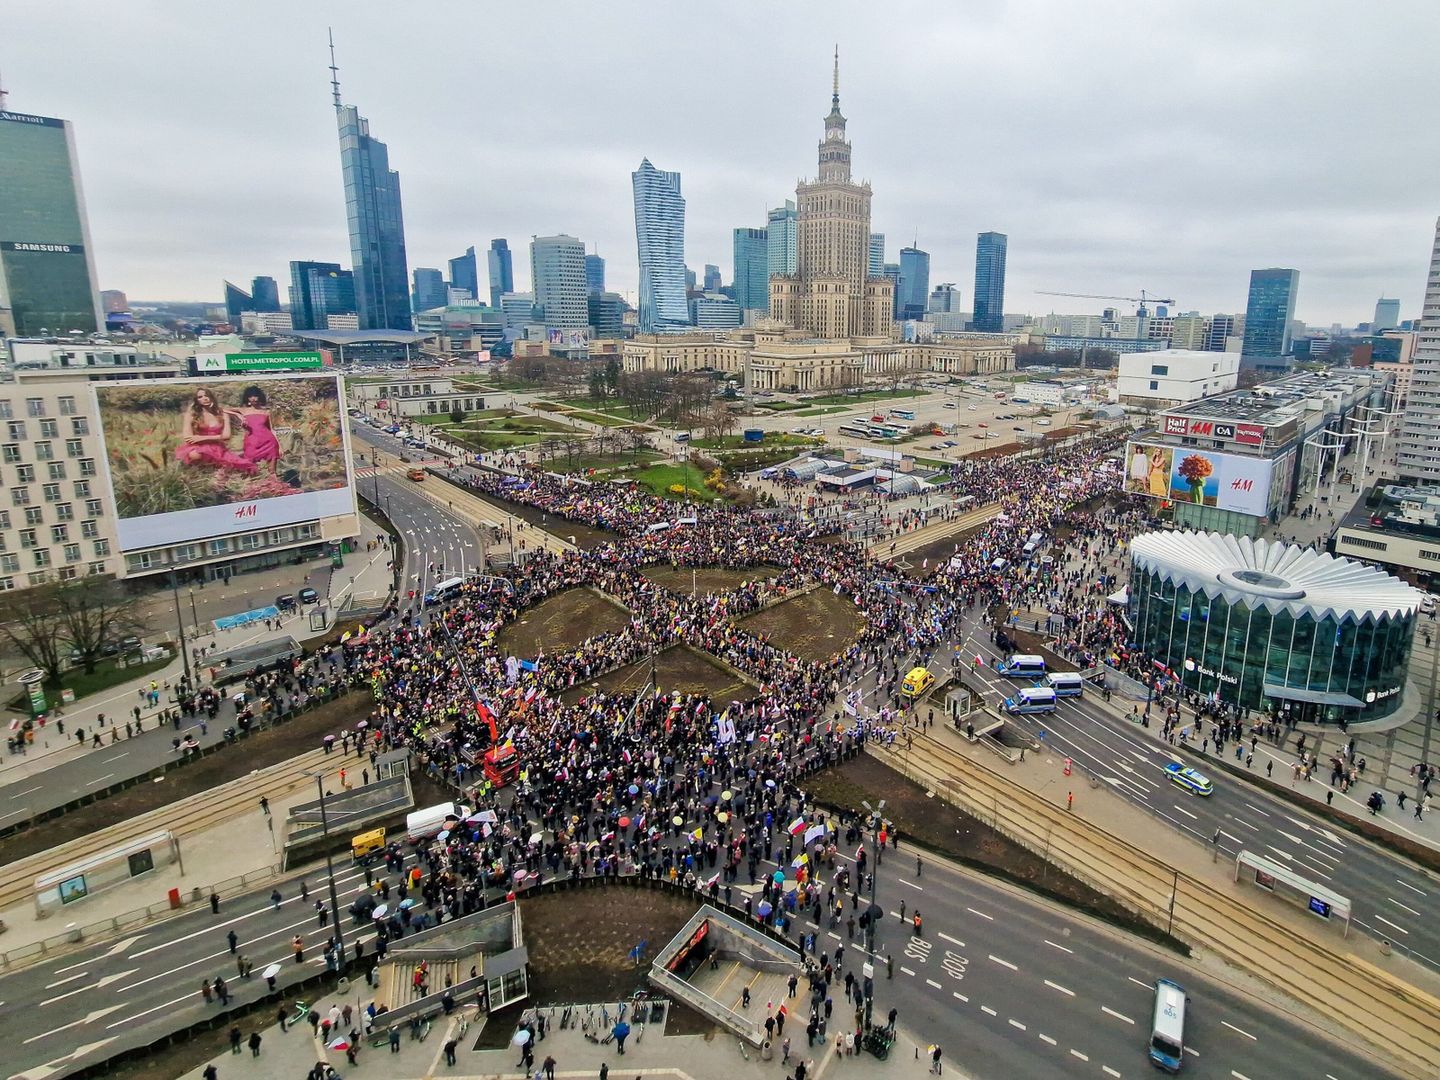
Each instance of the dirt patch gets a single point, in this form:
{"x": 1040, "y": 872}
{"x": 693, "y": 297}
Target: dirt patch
{"x": 562, "y": 622}
{"x": 814, "y": 626}
{"x": 933, "y": 824}
{"x": 585, "y": 536}
{"x": 261, "y": 750}
{"x": 1003, "y": 450}
{"x": 923, "y": 561}
{"x": 680, "y": 579}
{"x": 677, "y": 668}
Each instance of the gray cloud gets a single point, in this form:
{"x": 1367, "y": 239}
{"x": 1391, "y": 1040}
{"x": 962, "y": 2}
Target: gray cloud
{"x": 1120, "y": 145}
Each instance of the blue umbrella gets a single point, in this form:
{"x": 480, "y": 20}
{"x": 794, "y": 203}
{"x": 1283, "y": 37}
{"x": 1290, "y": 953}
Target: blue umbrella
{"x": 620, "y": 1030}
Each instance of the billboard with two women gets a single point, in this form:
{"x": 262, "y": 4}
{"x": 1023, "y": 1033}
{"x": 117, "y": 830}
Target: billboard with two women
{"x": 1185, "y": 474}
{"x": 197, "y": 459}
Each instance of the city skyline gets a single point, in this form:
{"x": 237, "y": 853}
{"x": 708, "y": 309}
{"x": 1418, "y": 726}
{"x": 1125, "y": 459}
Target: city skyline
{"x": 1184, "y": 202}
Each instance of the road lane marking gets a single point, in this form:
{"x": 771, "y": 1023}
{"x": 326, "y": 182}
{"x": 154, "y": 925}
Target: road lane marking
{"x": 1238, "y": 1075}
{"x": 1196, "y": 1053}
{"x": 89, "y": 1018}
{"x": 1003, "y": 963}
{"x": 980, "y": 913}
{"x": 1387, "y": 922}
{"x": 62, "y": 982}
{"x": 1056, "y": 986}
{"x": 907, "y": 971}
{"x": 953, "y": 941}
{"x": 959, "y": 996}
{"x": 13, "y": 813}
{"x": 1062, "y": 948}
{"x": 988, "y": 1010}
{"x": 912, "y": 885}
{"x": 22, "y": 794}
{"x": 933, "y": 983}
{"x": 92, "y": 783}
{"x": 1400, "y": 905}
{"x": 1118, "y": 1016}
{"x": 1242, "y": 821}
{"x": 1137, "y": 982}
{"x": 1017, "y": 1024}
{"x": 1108, "y": 1071}
{"x": 117, "y": 757}
{"x": 1257, "y": 810}
{"x": 1046, "y": 1038}
{"x": 1192, "y": 817}
{"x": 1411, "y": 887}
{"x": 1232, "y": 1027}
{"x": 1078, "y": 1054}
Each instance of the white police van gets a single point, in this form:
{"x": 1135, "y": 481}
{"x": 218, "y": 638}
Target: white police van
{"x": 1066, "y": 683}
{"x": 1021, "y": 666}
{"x": 1167, "y": 1030}
{"x": 1032, "y": 699}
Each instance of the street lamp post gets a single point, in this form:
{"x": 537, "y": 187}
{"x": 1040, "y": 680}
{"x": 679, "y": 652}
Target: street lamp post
{"x": 870, "y": 922}
{"x": 180, "y": 625}
{"x": 330, "y": 872}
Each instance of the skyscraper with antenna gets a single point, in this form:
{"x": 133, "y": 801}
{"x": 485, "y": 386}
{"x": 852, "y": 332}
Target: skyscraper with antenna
{"x": 374, "y": 217}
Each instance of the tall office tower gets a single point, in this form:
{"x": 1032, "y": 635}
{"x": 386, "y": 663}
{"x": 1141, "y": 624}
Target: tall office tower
{"x": 607, "y": 314}
{"x": 892, "y": 274}
{"x": 660, "y": 239}
{"x": 429, "y": 291}
{"x": 1387, "y": 315}
{"x": 780, "y": 240}
{"x": 594, "y": 274}
{"x": 502, "y": 272}
{"x": 377, "y": 225}
{"x": 989, "y": 294}
{"x": 1417, "y": 450}
{"x": 944, "y": 299}
{"x": 712, "y": 283}
{"x": 914, "y": 282}
{"x": 265, "y": 293}
{"x": 465, "y": 273}
{"x": 691, "y": 282}
{"x": 557, "y": 275}
{"x": 1221, "y": 327}
{"x": 237, "y": 302}
{"x": 318, "y": 289}
{"x": 519, "y": 311}
{"x": 752, "y": 278}
{"x": 876, "y": 266}
{"x": 1269, "y": 311}
{"x": 47, "y": 272}
{"x": 830, "y": 294}
{"x": 114, "y": 301}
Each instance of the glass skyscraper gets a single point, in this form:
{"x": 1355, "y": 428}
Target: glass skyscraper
{"x": 502, "y": 272}
{"x": 377, "y": 226}
{"x": 264, "y": 293}
{"x": 429, "y": 291}
{"x": 989, "y": 294}
{"x": 876, "y": 266}
{"x": 780, "y": 238}
{"x": 319, "y": 289}
{"x": 1269, "y": 310}
{"x": 465, "y": 274}
{"x": 47, "y": 273}
{"x": 237, "y": 301}
{"x": 557, "y": 274}
{"x": 752, "y": 269}
{"x": 914, "y": 283}
{"x": 594, "y": 274}
{"x": 660, "y": 238}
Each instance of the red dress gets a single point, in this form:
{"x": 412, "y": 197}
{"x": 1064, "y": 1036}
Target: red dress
{"x": 214, "y": 454}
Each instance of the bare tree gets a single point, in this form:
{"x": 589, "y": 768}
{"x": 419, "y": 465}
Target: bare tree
{"x": 36, "y": 627}
{"x": 95, "y": 611}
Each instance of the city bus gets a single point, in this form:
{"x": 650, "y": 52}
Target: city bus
{"x": 903, "y": 414}
{"x": 1032, "y": 699}
{"x": 859, "y": 431}
{"x": 1021, "y": 666}
{"x": 1066, "y": 683}
{"x": 886, "y": 431}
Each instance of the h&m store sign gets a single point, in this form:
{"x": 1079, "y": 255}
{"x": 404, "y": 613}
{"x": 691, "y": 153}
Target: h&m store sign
{"x": 1247, "y": 434}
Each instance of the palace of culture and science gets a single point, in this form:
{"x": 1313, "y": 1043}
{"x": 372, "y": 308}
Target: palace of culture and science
{"x": 831, "y": 325}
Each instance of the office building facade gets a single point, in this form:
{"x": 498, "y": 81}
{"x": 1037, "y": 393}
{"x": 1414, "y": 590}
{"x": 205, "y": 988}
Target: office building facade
{"x": 1269, "y": 311}
{"x": 557, "y": 271}
{"x": 47, "y": 270}
{"x": 1417, "y": 450}
{"x": 660, "y": 242}
{"x": 594, "y": 274}
{"x": 714, "y": 312}
{"x": 376, "y": 223}
{"x": 465, "y": 274}
{"x": 989, "y": 295}
{"x": 876, "y": 267}
{"x": 519, "y": 312}
{"x": 780, "y": 239}
{"x": 1387, "y": 315}
{"x": 264, "y": 293}
{"x": 607, "y": 314}
{"x": 237, "y": 302}
{"x": 318, "y": 290}
{"x": 914, "y": 283}
{"x": 429, "y": 289}
{"x": 501, "y": 270}
{"x": 752, "y": 260}
{"x": 712, "y": 281}
{"x": 944, "y": 299}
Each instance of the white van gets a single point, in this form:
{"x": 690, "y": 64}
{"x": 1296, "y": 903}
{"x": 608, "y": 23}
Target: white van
{"x": 1066, "y": 683}
{"x": 1021, "y": 666}
{"x": 1167, "y": 1030}
{"x": 999, "y": 564}
{"x": 1032, "y": 699}
{"x": 426, "y": 823}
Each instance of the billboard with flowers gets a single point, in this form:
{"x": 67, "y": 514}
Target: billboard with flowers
{"x": 196, "y": 459}
{"x": 1184, "y": 474}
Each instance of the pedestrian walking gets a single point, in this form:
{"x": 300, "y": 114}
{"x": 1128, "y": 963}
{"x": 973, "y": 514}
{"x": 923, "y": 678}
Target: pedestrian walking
{"x": 935, "y": 1059}
{"x": 281, "y": 1016}
{"x": 297, "y": 945}
{"x": 235, "y": 1039}
{"x": 549, "y": 1066}
{"x": 254, "y": 1044}
{"x": 234, "y": 940}
{"x": 206, "y": 992}
{"x": 222, "y": 991}
{"x": 275, "y": 899}
{"x": 215, "y": 903}
{"x": 394, "y": 1040}
{"x": 450, "y": 1046}
{"x": 211, "y": 1073}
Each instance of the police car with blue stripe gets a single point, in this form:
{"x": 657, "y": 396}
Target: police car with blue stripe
{"x": 1194, "y": 782}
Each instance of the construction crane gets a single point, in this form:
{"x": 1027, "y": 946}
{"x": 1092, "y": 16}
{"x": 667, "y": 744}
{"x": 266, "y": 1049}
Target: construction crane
{"x": 1144, "y": 299}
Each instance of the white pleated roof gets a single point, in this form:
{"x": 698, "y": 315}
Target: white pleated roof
{"x": 1276, "y": 576}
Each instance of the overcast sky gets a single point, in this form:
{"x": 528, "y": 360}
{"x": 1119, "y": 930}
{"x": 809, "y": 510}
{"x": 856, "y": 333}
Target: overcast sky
{"x": 1169, "y": 147}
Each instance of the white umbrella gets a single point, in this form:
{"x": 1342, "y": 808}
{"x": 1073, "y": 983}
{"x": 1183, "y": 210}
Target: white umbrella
{"x": 270, "y": 972}
{"x": 521, "y": 1037}
{"x": 381, "y": 911}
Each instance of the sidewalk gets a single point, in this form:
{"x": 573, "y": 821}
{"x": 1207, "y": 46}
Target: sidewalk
{"x": 363, "y": 575}
{"x": 286, "y": 1055}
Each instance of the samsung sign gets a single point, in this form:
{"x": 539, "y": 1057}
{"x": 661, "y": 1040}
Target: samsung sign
{"x": 50, "y": 249}
{"x": 26, "y": 118}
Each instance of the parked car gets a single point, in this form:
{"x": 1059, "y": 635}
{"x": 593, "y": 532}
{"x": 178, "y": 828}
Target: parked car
{"x": 285, "y": 602}
{"x": 416, "y": 474}
{"x": 309, "y": 596}
{"x": 952, "y": 405}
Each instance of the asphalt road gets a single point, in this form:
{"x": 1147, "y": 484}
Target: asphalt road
{"x": 1009, "y": 986}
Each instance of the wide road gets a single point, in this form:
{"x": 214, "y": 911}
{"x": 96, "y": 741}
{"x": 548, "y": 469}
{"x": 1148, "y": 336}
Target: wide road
{"x": 1391, "y": 897}
{"x": 1010, "y": 986}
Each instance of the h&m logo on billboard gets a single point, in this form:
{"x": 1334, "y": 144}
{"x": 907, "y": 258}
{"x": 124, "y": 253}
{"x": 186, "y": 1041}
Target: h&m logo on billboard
{"x": 1212, "y": 429}
{"x": 1176, "y": 425}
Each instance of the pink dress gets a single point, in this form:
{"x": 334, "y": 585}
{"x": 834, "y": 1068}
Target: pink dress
{"x": 215, "y": 454}
{"x": 260, "y": 442}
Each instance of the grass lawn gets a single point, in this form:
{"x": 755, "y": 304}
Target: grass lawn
{"x": 602, "y": 419}
{"x": 932, "y": 463}
{"x": 492, "y": 440}
{"x": 607, "y": 462}
{"x": 105, "y": 675}
{"x": 868, "y": 395}
{"x": 658, "y": 478}
{"x": 825, "y": 411}
{"x": 772, "y": 438}
{"x": 779, "y": 406}
{"x": 516, "y": 423}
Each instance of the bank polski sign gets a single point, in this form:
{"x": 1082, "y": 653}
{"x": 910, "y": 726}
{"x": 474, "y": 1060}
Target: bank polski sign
{"x": 229, "y": 363}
